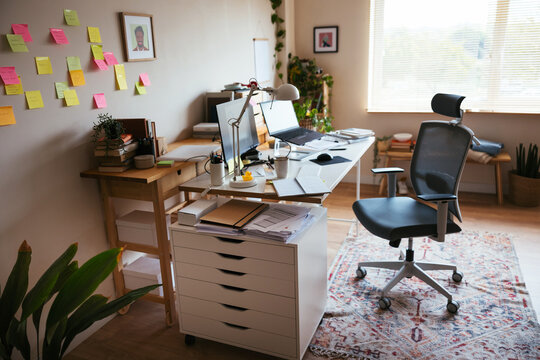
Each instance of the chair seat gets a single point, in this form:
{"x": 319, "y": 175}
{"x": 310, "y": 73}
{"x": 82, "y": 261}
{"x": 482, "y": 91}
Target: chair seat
{"x": 396, "y": 218}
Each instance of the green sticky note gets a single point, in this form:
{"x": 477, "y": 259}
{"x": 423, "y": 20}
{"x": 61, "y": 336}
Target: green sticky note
{"x": 72, "y": 18}
{"x": 16, "y": 42}
{"x": 60, "y": 87}
{"x": 97, "y": 50}
{"x": 43, "y": 65}
{"x": 141, "y": 90}
{"x": 73, "y": 63}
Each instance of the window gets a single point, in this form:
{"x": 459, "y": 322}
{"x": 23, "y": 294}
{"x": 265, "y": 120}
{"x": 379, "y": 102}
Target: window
{"x": 486, "y": 50}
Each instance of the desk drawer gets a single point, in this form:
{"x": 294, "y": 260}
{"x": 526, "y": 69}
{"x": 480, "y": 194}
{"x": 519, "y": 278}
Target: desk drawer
{"x": 236, "y": 279}
{"x": 239, "y": 316}
{"x": 264, "y": 268}
{"x": 249, "y": 299}
{"x": 279, "y": 253}
{"x": 235, "y": 335}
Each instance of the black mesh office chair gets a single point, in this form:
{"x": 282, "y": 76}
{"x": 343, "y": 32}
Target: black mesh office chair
{"x": 436, "y": 167}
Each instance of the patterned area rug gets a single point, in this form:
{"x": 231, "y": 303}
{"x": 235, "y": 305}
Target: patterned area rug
{"x": 495, "y": 319}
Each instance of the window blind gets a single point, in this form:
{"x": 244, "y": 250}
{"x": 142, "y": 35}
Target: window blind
{"x": 486, "y": 50}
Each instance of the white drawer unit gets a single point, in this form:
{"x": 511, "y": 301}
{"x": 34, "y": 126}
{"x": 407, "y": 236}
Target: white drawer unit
{"x": 258, "y": 294}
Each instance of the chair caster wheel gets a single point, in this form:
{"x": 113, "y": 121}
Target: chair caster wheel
{"x": 457, "y": 276}
{"x": 384, "y": 303}
{"x": 452, "y": 307}
{"x": 361, "y": 272}
{"x": 189, "y": 340}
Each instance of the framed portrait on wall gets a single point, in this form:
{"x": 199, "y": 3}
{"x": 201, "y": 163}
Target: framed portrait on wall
{"x": 325, "y": 39}
{"x": 138, "y": 33}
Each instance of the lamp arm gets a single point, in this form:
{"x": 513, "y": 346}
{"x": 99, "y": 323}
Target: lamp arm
{"x": 252, "y": 89}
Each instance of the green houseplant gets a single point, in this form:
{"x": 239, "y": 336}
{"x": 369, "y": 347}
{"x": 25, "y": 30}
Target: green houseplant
{"x": 107, "y": 128}
{"x": 524, "y": 181}
{"x": 73, "y": 310}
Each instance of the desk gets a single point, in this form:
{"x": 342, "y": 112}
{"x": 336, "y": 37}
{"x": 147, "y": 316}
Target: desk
{"x": 155, "y": 185}
{"x": 496, "y": 161}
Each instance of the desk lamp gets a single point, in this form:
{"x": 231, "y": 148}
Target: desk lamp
{"x": 284, "y": 92}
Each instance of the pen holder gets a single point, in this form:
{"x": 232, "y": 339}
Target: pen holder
{"x": 281, "y": 163}
{"x": 217, "y": 174}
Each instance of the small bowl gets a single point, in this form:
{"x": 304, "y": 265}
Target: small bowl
{"x": 403, "y": 136}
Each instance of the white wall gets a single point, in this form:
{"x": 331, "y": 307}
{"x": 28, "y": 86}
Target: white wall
{"x": 200, "y": 46}
{"x": 349, "y": 67}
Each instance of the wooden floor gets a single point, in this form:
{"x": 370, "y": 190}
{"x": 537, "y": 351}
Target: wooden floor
{"x": 142, "y": 333}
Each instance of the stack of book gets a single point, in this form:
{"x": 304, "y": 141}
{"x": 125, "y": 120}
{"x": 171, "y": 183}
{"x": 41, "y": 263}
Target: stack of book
{"x": 401, "y": 145}
{"x": 116, "y": 155}
{"x": 206, "y": 131}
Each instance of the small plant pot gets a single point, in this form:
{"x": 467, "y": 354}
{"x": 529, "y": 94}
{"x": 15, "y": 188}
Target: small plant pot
{"x": 523, "y": 191}
{"x": 306, "y": 123}
{"x": 383, "y": 145}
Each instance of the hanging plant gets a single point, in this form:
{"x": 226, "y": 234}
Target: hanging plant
{"x": 280, "y": 35}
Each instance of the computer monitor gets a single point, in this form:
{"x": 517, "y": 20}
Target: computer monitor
{"x": 213, "y": 99}
{"x": 279, "y": 115}
{"x": 248, "y": 128}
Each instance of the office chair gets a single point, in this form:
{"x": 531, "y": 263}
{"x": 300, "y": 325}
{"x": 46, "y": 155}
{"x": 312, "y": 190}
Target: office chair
{"x": 436, "y": 167}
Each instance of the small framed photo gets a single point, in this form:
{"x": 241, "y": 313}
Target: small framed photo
{"x": 325, "y": 39}
{"x": 138, "y": 33}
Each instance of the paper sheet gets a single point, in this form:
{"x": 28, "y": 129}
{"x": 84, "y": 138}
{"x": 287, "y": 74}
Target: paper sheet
{"x": 7, "y": 117}
{"x": 22, "y": 29}
{"x": 190, "y": 152}
{"x": 97, "y": 51}
{"x": 59, "y": 36}
{"x": 34, "y": 100}
{"x": 110, "y": 58}
{"x": 101, "y": 64}
{"x": 141, "y": 90}
{"x": 71, "y": 98}
{"x": 100, "y": 101}
{"x": 77, "y": 77}
{"x": 93, "y": 34}
{"x": 144, "y": 79}
{"x": 14, "y": 89}
{"x": 120, "y": 74}
{"x": 60, "y": 88}
{"x": 43, "y": 65}
{"x": 16, "y": 42}
{"x": 71, "y": 17}
{"x": 73, "y": 63}
{"x": 8, "y": 75}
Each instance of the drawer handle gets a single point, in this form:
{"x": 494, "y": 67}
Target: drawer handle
{"x": 229, "y": 256}
{"x": 237, "y": 308}
{"x": 230, "y": 272}
{"x": 234, "y": 241}
{"x": 236, "y": 326}
{"x": 234, "y": 288}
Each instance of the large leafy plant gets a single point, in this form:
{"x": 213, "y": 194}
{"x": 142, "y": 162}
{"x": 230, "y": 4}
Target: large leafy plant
{"x": 528, "y": 163}
{"x": 73, "y": 310}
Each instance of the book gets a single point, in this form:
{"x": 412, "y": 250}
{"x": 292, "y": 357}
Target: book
{"x": 165, "y": 163}
{"x": 190, "y": 214}
{"x": 136, "y": 127}
{"x": 234, "y": 213}
{"x": 116, "y": 159}
{"x": 124, "y": 139}
{"x": 103, "y": 151}
{"x": 115, "y": 169}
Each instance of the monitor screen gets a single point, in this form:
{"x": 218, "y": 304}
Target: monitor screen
{"x": 248, "y": 128}
{"x": 279, "y": 115}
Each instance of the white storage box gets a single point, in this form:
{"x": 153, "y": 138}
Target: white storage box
{"x": 143, "y": 272}
{"x": 139, "y": 227}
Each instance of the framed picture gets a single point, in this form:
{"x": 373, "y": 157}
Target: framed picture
{"x": 138, "y": 33}
{"x": 325, "y": 39}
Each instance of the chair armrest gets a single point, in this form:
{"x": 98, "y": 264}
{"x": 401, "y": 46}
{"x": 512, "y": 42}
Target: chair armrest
{"x": 437, "y": 197}
{"x": 391, "y": 174}
{"x": 442, "y": 211}
{"x": 388, "y": 170}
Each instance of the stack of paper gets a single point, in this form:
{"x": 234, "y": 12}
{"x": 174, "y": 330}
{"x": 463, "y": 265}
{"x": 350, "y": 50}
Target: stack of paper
{"x": 352, "y": 135}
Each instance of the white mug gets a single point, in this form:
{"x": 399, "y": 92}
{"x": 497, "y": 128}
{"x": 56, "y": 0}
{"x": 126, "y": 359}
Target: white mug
{"x": 281, "y": 163}
{"x": 217, "y": 174}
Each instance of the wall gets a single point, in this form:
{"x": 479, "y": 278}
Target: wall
{"x": 200, "y": 46}
{"x": 349, "y": 67}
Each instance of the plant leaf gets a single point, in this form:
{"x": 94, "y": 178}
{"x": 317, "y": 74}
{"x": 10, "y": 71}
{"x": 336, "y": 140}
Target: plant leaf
{"x": 51, "y": 350}
{"x": 18, "y": 337}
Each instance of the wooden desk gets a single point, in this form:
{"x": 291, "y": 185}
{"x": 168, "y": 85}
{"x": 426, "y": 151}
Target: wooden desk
{"x": 496, "y": 161}
{"x": 154, "y": 185}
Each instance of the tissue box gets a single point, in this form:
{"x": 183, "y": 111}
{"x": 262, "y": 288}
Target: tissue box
{"x": 143, "y": 272}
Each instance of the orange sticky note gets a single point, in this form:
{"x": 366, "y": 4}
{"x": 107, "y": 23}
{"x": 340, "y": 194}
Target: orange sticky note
{"x": 34, "y": 100}
{"x": 77, "y": 77}
{"x": 6, "y": 115}
{"x": 100, "y": 101}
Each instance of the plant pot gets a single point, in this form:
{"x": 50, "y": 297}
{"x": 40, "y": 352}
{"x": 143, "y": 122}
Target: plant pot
{"x": 383, "y": 145}
{"x": 306, "y": 123}
{"x": 524, "y": 191}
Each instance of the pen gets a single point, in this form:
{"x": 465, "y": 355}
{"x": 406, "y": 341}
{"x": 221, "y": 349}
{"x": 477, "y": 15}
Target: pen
{"x": 336, "y": 149}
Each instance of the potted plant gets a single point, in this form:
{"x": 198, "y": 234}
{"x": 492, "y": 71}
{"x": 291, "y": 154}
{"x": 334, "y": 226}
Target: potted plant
{"x": 524, "y": 181}
{"x": 381, "y": 144}
{"x": 107, "y": 128}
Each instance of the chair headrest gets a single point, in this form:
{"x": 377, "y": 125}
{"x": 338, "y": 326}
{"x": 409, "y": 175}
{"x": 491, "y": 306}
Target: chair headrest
{"x": 447, "y": 104}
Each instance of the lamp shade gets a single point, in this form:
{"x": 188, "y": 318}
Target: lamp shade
{"x": 286, "y": 92}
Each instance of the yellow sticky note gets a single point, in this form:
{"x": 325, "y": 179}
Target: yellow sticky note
{"x": 34, "y": 100}
{"x": 94, "y": 35}
{"x": 14, "y": 89}
{"x": 72, "y": 18}
{"x": 16, "y": 42}
{"x": 97, "y": 50}
{"x": 6, "y": 115}
{"x": 141, "y": 90}
{"x": 70, "y": 95}
{"x": 60, "y": 88}
{"x": 43, "y": 65}
{"x": 120, "y": 73}
{"x": 77, "y": 77}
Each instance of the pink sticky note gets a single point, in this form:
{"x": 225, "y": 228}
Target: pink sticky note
{"x": 59, "y": 36}
{"x": 22, "y": 29}
{"x": 8, "y": 75}
{"x": 101, "y": 64}
{"x": 109, "y": 58}
{"x": 145, "y": 81}
{"x": 100, "y": 101}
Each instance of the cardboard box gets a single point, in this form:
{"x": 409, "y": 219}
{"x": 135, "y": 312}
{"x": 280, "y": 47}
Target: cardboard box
{"x": 139, "y": 227}
{"x": 143, "y": 272}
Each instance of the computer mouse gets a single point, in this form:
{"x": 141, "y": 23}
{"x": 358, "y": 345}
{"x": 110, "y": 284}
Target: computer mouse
{"x": 324, "y": 157}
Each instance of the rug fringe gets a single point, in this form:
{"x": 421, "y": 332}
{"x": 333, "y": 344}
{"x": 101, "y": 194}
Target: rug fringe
{"x": 332, "y": 354}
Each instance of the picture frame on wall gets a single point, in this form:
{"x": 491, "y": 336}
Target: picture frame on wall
{"x": 325, "y": 39}
{"x": 138, "y": 31}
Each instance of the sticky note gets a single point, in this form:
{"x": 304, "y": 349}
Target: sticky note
{"x": 100, "y": 101}
{"x": 22, "y": 29}
{"x": 145, "y": 80}
{"x": 7, "y": 117}
{"x": 8, "y": 75}
{"x": 93, "y": 34}
{"x": 59, "y": 36}
{"x": 16, "y": 42}
{"x": 77, "y": 77}
{"x": 141, "y": 90}
{"x": 71, "y": 17}
{"x": 43, "y": 65}
{"x": 71, "y": 98}
{"x": 120, "y": 73}
{"x": 73, "y": 63}
{"x": 60, "y": 88}
{"x": 109, "y": 58}
{"x": 14, "y": 89}
{"x": 101, "y": 64}
{"x": 97, "y": 50}
{"x": 34, "y": 100}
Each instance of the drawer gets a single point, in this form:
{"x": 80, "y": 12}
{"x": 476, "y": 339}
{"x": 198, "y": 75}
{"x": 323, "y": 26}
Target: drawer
{"x": 265, "y": 268}
{"x": 240, "y": 336}
{"x": 249, "y": 299}
{"x": 279, "y": 253}
{"x": 236, "y": 279}
{"x": 252, "y": 319}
